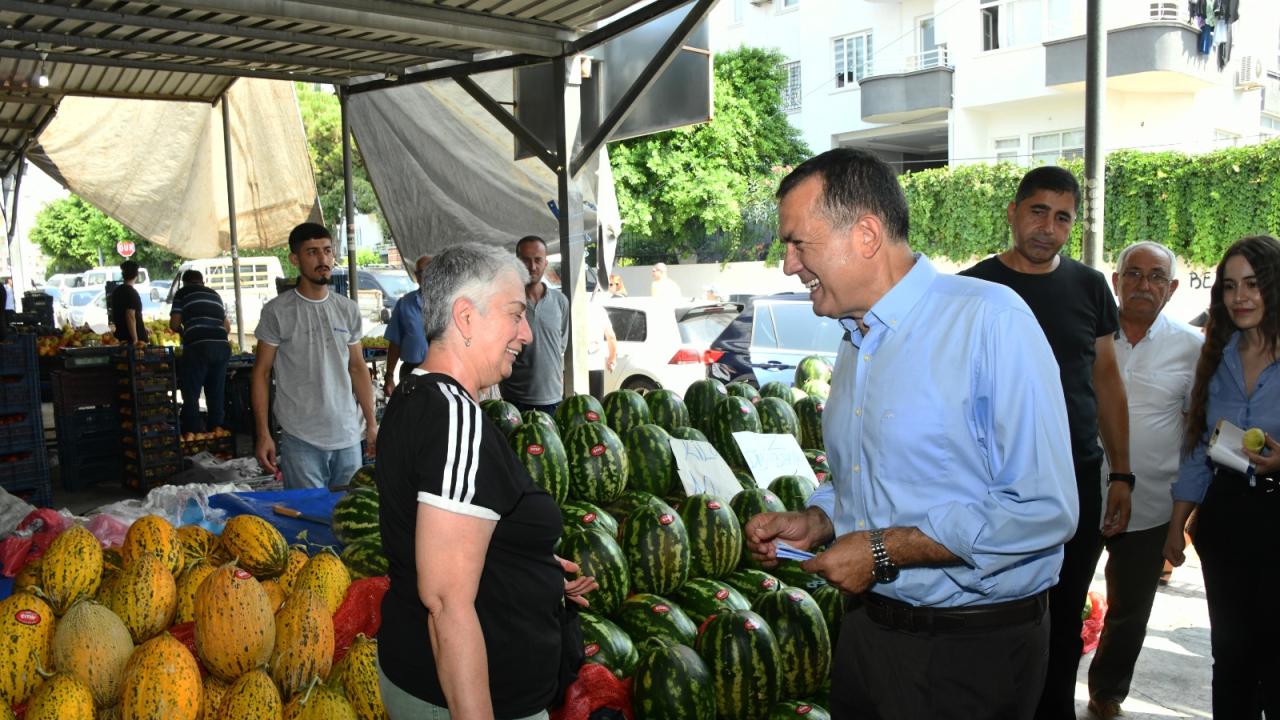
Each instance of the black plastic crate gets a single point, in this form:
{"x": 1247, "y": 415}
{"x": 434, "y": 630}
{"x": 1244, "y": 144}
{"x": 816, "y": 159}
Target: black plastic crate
{"x": 39, "y": 493}
{"x": 88, "y": 423}
{"x": 81, "y": 387}
{"x": 81, "y": 472}
{"x": 144, "y": 478}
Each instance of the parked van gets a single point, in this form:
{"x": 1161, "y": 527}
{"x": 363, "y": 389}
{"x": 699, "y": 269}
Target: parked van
{"x": 258, "y": 275}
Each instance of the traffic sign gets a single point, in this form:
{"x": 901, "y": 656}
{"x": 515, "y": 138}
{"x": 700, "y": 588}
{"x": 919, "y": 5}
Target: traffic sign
{"x": 125, "y": 248}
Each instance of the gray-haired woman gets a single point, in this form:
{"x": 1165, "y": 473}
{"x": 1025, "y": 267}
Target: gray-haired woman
{"x": 471, "y": 624}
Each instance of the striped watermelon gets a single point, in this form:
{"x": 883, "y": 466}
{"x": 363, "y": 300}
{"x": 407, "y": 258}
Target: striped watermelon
{"x": 797, "y": 710}
{"x": 598, "y": 556}
{"x": 701, "y": 399}
{"x": 656, "y": 545}
{"x": 778, "y": 417}
{"x": 688, "y": 433}
{"x": 732, "y": 414}
{"x": 742, "y": 654}
{"x": 790, "y": 572}
{"x": 819, "y": 389}
{"x": 746, "y": 480}
{"x": 645, "y": 615}
{"x": 502, "y": 413}
{"x": 671, "y": 683}
{"x": 746, "y": 505}
{"x": 597, "y": 462}
{"x": 753, "y": 583}
{"x": 832, "y": 602}
{"x": 355, "y": 516}
{"x": 813, "y": 367}
{"x": 537, "y": 417}
{"x": 804, "y": 643}
{"x": 701, "y": 598}
{"x": 809, "y": 410}
{"x": 364, "y": 477}
{"x": 715, "y": 536}
{"x": 818, "y": 461}
{"x": 652, "y": 465}
{"x": 606, "y": 644}
{"x": 630, "y": 501}
{"x": 793, "y": 490}
{"x": 543, "y": 455}
{"x": 625, "y": 409}
{"x": 582, "y": 514}
{"x": 779, "y": 390}
{"x": 577, "y": 410}
{"x": 666, "y": 409}
{"x": 365, "y": 558}
{"x": 743, "y": 390}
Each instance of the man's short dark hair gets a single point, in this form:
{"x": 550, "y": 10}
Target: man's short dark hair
{"x": 192, "y": 277}
{"x": 128, "y": 270}
{"x": 1051, "y": 178}
{"x": 854, "y": 183}
{"x": 529, "y": 239}
{"x": 305, "y": 232}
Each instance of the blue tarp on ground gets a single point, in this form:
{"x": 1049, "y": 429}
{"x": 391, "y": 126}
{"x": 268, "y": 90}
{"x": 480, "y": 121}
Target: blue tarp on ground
{"x": 318, "y": 502}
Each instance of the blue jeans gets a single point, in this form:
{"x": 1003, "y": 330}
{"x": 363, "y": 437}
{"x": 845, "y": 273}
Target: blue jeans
{"x": 401, "y": 705}
{"x": 306, "y": 466}
{"x": 203, "y": 366}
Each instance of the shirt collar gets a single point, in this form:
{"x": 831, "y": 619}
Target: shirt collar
{"x": 894, "y": 306}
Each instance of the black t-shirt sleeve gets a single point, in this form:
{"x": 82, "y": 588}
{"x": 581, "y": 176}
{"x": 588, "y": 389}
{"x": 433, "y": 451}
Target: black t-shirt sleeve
{"x": 466, "y": 478}
{"x": 1108, "y": 314}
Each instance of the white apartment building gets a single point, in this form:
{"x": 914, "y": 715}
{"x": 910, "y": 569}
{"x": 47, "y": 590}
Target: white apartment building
{"x": 925, "y": 83}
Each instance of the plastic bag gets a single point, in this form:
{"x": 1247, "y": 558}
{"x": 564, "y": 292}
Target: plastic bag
{"x": 31, "y": 538}
{"x": 109, "y": 529}
{"x": 359, "y": 614}
{"x": 178, "y": 504}
{"x": 185, "y": 633}
{"x": 596, "y": 688}
{"x": 1091, "y": 630}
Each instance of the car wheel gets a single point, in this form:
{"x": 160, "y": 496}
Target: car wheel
{"x": 640, "y": 384}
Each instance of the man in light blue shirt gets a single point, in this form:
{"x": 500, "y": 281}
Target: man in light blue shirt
{"x": 952, "y": 489}
{"x": 406, "y": 340}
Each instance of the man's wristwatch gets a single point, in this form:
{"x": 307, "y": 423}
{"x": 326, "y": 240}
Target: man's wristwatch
{"x": 885, "y": 570}
{"x": 1122, "y": 477}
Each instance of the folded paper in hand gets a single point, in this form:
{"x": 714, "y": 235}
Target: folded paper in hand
{"x": 1226, "y": 448}
{"x": 786, "y": 552}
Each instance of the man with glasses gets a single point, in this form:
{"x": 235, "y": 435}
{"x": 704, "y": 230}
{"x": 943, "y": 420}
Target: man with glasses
{"x": 1157, "y": 358}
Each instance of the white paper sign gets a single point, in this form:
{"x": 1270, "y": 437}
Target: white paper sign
{"x": 772, "y": 455}
{"x": 1226, "y": 447}
{"x": 702, "y": 470}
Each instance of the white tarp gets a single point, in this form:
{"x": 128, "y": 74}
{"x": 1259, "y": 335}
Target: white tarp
{"x": 160, "y": 167}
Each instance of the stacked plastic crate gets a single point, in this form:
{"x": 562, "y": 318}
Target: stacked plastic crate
{"x": 87, "y": 420}
{"x": 147, "y": 386}
{"x": 24, "y": 466}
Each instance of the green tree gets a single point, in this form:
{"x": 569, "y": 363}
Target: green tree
{"x": 707, "y": 189}
{"x": 322, "y": 120}
{"x": 71, "y": 233}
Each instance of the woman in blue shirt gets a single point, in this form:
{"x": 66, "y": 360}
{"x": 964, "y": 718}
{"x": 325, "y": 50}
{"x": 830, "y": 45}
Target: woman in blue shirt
{"x": 1238, "y": 528}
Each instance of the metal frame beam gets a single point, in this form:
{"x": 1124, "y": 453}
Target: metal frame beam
{"x": 509, "y": 121}
{"x": 41, "y": 99}
{"x": 162, "y": 66}
{"x": 623, "y": 24}
{"x": 444, "y": 72}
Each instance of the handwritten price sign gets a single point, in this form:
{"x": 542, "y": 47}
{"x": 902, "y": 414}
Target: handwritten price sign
{"x": 702, "y": 470}
{"x": 770, "y": 456}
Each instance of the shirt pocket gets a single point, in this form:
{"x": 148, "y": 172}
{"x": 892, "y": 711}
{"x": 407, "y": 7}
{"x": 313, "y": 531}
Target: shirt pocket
{"x": 912, "y": 446}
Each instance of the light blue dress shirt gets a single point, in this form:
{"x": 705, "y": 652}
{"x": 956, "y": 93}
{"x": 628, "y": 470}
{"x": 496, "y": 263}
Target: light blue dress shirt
{"x": 947, "y": 415}
{"x": 405, "y": 329}
{"x": 1228, "y": 401}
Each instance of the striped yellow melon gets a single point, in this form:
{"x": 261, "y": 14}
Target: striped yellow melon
{"x": 145, "y": 597}
{"x": 252, "y": 697}
{"x": 188, "y": 584}
{"x": 296, "y": 559}
{"x": 255, "y": 545}
{"x": 212, "y": 694}
{"x": 320, "y": 703}
{"x": 61, "y": 697}
{"x": 304, "y": 643}
{"x": 197, "y": 543}
{"x": 327, "y": 577}
{"x": 357, "y": 675}
{"x": 6, "y": 712}
{"x": 153, "y": 535}
{"x": 28, "y": 577}
{"x": 26, "y": 634}
{"x": 274, "y": 593}
{"x": 112, "y": 564}
{"x": 93, "y": 644}
{"x": 161, "y": 682}
{"x": 235, "y": 628}
{"x": 111, "y": 713}
{"x": 71, "y": 569}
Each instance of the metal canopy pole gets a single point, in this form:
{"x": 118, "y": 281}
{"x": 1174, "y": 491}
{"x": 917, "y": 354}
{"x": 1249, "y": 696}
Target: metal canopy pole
{"x": 569, "y": 215}
{"x": 1095, "y": 159}
{"x": 349, "y": 198}
{"x": 231, "y": 218}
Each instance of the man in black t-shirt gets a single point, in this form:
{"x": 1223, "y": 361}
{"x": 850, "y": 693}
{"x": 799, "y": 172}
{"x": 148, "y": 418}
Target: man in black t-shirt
{"x": 1077, "y": 312}
{"x": 126, "y": 307}
{"x": 199, "y": 315}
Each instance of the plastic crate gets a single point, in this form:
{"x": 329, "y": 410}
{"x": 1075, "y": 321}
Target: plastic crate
{"x": 18, "y": 392}
{"x": 81, "y": 472}
{"x": 27, "y": 467}
{"x": 21, "y": 430}
{"x": 75, "y": 388}
{"x": 218, "y": 446}
{"x": 144, "y": 478}
{"x": 39, "y": 494}
{"x": 18, "y": 354}
{"x": 88, "y": 424}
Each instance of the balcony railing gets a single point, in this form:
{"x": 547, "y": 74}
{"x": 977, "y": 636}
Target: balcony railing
{"x": 935, "y": 58}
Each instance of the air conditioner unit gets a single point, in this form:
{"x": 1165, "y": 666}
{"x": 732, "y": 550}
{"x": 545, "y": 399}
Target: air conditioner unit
{"x": 1249, "y": 76}
{"x": 1164, "y": 11}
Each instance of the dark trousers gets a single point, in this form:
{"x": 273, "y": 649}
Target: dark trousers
{"x": 880, "y": 673}
{"x": 524, "y": 407}
{"x": 1134, "y": 563}
{"x": 1066, "y": 599}
{"x": 1238, "y": 538}
{"x": 203, "y": 366}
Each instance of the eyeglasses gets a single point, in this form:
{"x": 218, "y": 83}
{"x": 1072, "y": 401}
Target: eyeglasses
{"x": 1155, "y": 277}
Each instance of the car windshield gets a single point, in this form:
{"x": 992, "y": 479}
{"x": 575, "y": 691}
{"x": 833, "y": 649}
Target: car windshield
{"x": 396, "y": 284}
{"x": 80, "y": 298}
{"x": 700, "y": 326}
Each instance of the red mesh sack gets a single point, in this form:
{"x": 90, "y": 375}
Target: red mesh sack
{"x": 185, "y": 633}
{"x": 1091, "y": 630}
{"x": 596, "y": 688}
{"x": 360, "y": 612}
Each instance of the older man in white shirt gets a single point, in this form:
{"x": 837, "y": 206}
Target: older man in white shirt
{"x": 1157, "y": 358}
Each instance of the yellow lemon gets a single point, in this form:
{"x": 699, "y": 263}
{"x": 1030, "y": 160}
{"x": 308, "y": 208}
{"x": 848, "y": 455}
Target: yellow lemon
{"x": 1254, "y": 439}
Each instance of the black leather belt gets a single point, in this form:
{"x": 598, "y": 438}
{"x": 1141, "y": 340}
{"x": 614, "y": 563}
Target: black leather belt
{"x": 909, "y": 618}
{"x": 1237, "y": 483}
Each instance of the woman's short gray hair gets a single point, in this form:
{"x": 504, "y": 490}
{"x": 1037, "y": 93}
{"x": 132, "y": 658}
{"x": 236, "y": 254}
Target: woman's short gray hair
{"x": 466, "y": 271}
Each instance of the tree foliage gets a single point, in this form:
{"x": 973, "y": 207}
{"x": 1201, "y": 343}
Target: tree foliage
{"x": 71, "y": 233}
{"x": 707, "y": 189}
{"x": 322, "y": 120}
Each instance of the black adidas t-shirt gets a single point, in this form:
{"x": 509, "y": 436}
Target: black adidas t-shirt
{"x": 1075, "y": 307}
{"x": 435, "y": 446}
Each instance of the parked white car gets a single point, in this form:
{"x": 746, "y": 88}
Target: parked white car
{"x": 89, "y": 307}
{"x": 661, "y": 345}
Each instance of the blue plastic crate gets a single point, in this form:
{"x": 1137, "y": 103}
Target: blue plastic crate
{"x": 24, "y": 468}
{"x": 21, "y": 430}
{"x": 18, "y": 392}
{"x": 39, "y": 493}
{"x": 18, "y": 354}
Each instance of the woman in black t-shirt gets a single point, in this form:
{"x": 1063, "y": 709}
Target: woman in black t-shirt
{"x": 472, "y": 620}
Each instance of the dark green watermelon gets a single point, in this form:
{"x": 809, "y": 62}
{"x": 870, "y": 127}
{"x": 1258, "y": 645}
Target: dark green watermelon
{"x": 652, "y": 465}
{"x": 606, "y": 644}
{"x": 543, "y": 455}
{"x": 746, "y": 480}
{"x": 743, "y": 390}
{"x": 688, "y": 433}
{"x": 364, "y": 477}
{"x": 742, "y": 654}
{"x": 804, "y": 643}
{"x": 819, "y": 389}
{"x": 778, "y": 417}
{"x": 746, "y": 505}
{"x": 625, "y": 409}
{"x": 355, "y": 516}
{"x": 582, "y": 514}
{"x": 809, "y": 410}
{"x": 732, "y": 414}
{"x": 365, "y": 558}
{"x": 797, "y": 710}
{"x": 597, "y": 463}
{"x": 666, "y": 409}
{"x": 656, "y": 545}
{"x": 818, "y": 461}
{"x": 793, "y": 490}
{"x": 537, "y": 417}
{"x": 715, "y": 536}
{"x": 779, "y": 390}
{"x": 645, "y": 615}
{"x": 576, "y": 410}
{"x": 671, "y": 683}
{"x": 790, "y": 573}
{"x": 502, "y": 413}
{"x": 701, "y": 399}
{"x": 598, "y": 556}
{"x": 752, "y": 583}
{"x": 630, "y": 501}
{"x": 832, "y": 602}
{"x": 700, "y": 598}
{"x": 813, "y": 367}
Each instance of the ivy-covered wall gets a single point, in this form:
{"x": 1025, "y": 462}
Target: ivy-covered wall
{"x": 1196, "y": 204}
